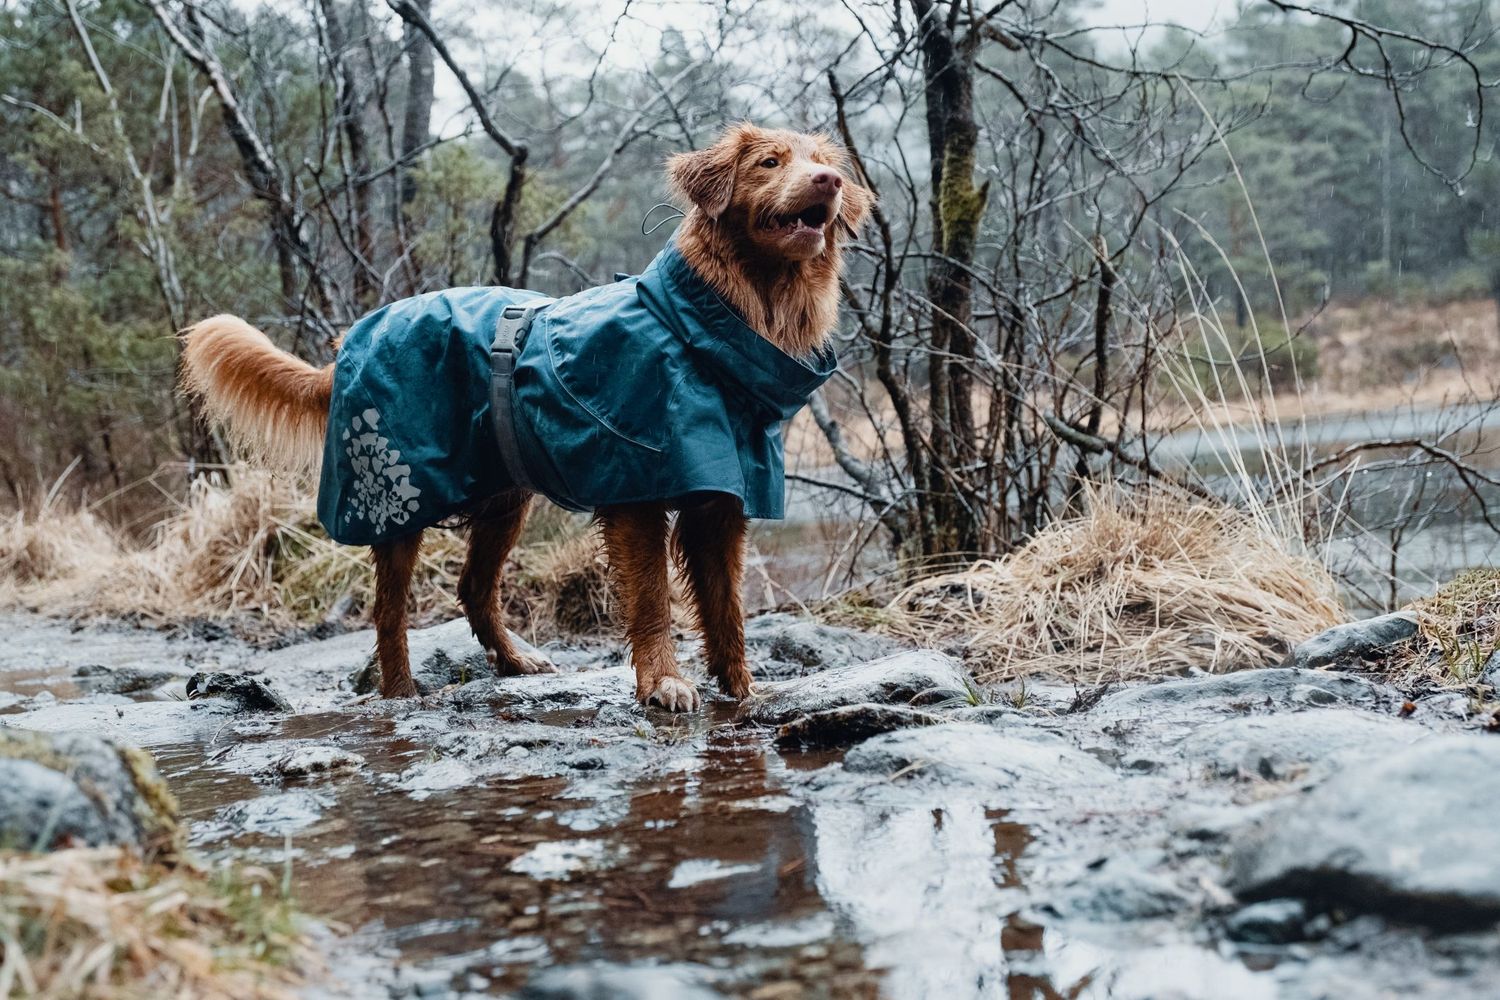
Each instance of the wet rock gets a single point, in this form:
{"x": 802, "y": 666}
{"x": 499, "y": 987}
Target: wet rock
{"x": 1244, "y": 690}
{"x": 277, "y": 814}
{"x": 604, "y": 981}
{"x": 841, "y": 727}
{"x": 542, "y": 692}
{"x": 102, "y": 679}
{"x": 1120, "y": 890}
{"x": 1354, "y": 641}
{"x": 57, "y": 788}
{"x": 1448, "y": 706}
{"x": 918, "y": 677}
{"x": 967, "y": 753}
{"x": 631, "y": 716}
{"x": 41, "y": 809}
{"x": 1278, "y": 747}
{"x": 1413, "y": 834}
{"x": 1490, "y": 672}
{"x": 440, "y": 656}
{"x": 248, "y": 694}
{"x": 1218, "y": 824}
{"x": 1274, "y": 921}
{"x": 782, "y": 646}
{"x": 315, "y": 759}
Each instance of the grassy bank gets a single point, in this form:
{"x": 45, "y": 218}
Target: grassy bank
{"x": 98, "y": 923}
{"x": 1135, "y": 587}
{"x": 252, "y": 554}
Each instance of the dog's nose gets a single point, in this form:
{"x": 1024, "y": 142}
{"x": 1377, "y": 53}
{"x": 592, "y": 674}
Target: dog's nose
{"x": 828, "y": 180}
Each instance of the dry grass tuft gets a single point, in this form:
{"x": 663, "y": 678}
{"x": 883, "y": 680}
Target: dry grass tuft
{"x": 96, "y": 923}
{"x": 252, "y": 553}
{"x": 50, "y": 545}
{"x": 1138, "y": 587}
{"x": 563, "y": 580}
{"x": 1460, "y": 631}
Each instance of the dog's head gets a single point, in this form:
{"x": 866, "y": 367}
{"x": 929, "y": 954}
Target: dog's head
{"x": 786, "y": 193}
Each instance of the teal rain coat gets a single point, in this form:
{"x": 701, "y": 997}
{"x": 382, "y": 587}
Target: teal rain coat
{"x": 650, "y": 388}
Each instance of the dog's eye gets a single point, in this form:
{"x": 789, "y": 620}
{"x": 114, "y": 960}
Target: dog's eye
{"x": 770, "y": 163}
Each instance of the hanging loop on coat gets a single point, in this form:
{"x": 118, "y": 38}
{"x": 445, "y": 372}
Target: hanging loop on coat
{"x": 661, "y": 222}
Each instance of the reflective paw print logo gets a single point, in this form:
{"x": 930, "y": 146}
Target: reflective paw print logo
{"x": 383, "y": 493}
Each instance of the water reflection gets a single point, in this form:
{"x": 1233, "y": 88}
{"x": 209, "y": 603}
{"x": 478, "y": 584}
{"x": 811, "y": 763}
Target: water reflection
{"x": 722, "y": 862}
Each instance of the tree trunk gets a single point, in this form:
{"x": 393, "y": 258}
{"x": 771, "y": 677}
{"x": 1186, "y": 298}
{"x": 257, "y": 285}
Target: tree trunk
{"x": 351, "y": 120}
{"x": 416, "y": 125}
{"x": 957, "y": 208}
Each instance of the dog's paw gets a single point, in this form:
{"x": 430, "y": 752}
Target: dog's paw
{"x": 521, "y": 663}
{"x": 401, "y": 689}
{"x": 675, "y": 694}
{"x": 737, "y": 684}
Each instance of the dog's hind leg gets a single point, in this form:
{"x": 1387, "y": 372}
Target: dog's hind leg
{"x": 635, "y": 537}
{"x": 710, "y": 548}
{"x": 394, "y": 562}
{"x": 493, "y": 531}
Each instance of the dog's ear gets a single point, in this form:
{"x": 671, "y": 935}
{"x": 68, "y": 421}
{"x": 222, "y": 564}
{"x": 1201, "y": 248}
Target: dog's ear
{"x": 705, "y": 177}
{"x": 856, "y": 206}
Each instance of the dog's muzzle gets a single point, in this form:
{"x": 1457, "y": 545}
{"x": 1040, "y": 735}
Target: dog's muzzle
{"x": 511, "y": 330}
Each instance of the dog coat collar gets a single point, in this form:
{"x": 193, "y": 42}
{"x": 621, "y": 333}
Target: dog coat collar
{"x": 649, "y": 388}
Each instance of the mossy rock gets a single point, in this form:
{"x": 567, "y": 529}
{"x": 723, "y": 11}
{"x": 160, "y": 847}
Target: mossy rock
{"x": 64, "y": 789}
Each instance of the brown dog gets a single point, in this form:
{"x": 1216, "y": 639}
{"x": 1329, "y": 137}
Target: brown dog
{"x": 765, "y": 215}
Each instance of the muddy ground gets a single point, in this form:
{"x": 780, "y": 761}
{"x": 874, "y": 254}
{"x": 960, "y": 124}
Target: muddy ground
{"x": 873, "y": 824}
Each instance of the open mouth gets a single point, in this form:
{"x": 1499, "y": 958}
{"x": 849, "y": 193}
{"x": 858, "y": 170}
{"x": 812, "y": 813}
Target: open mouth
{"x": 811, "y": 219}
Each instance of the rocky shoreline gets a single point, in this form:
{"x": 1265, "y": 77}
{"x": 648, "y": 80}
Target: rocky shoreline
{"x": 871, "y": 823}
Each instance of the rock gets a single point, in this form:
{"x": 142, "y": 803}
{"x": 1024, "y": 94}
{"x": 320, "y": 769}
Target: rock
{"x": 124, "y": 680}
{"x": 57, "y": 788}
{"x": 968, "y": 753}
{"x": 1278, "y": 747}
{"x": 918, "y": 677}
{"x": 317, "y": 758}
{"x": 1490, "y": 672}
{"x": 277, "y": 815}
{"x": 1120, "y": 890}
{"x": 604, "y": 981}
{"x": 249, "y": 694}
{"x": 41, "y": 809}
{"x": 1414, "y": 835}
{"x": 1354, "y": 641}
{"x": 615, "y": 715}
{"x": 782, "y": 646}
{"x": 1274, "y": 921}
{"x": 1445, "y": 706}
{"x": 440, "y": 656}
{"x": 841, "y": 727}
{"x": 1276, "y": 687}
{"x": 542, "y": 692}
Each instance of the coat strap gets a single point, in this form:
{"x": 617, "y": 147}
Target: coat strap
{"x": 514, "y": 322}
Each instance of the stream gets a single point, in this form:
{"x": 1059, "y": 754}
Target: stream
{"x": 544, "y": 837}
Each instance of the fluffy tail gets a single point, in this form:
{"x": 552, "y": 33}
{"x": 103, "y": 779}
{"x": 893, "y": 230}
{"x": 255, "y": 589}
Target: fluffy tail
{"x": 272, "y": 405}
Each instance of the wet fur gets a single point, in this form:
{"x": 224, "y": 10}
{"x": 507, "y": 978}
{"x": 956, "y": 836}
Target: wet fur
{"x": 275, "y": 407}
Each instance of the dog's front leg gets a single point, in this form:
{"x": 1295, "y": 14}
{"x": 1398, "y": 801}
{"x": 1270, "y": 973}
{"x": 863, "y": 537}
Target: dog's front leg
{"x": 394, "y": 562}
{"x": 635, "y": 538}
{"x": 711, "y": 550}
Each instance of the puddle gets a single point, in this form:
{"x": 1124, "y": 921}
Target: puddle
{"x": 714, "y": 862}
{"x": 709, "y": 865}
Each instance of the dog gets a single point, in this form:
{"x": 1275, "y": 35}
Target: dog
{"x": 660, "y": 394}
